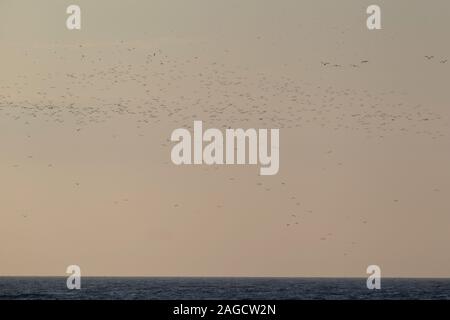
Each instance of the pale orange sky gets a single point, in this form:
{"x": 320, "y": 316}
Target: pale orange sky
{"x": 85, "y": 167}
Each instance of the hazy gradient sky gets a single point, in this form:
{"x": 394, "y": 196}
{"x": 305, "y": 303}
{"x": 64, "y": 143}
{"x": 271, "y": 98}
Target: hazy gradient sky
{"x": 85, "y": 167}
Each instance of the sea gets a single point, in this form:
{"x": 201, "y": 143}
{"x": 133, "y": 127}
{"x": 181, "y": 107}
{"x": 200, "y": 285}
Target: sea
{"x": 117, "y": 288}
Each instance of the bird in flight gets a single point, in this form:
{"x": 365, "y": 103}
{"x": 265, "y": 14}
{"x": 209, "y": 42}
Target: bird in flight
{"x": 444, "y": 61}
{"x": 429, "y": 57}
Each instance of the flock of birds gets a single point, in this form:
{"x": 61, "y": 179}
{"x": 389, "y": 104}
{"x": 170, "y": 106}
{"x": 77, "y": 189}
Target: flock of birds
{"x": 336, "y": 65}
{"x": 152, "y": 88}
{"x": 180, "y": 90}
{"x": 363, "y": 62}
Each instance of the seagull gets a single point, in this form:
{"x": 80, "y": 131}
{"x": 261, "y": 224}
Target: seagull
{"x": 429, "y": 57}
{"x": 444, "y": 61}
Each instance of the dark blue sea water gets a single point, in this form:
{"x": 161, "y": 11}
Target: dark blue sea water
{"x": 222, "y": 288}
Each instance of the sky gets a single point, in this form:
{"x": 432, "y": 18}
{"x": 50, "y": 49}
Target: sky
{"x": 86, "y": 117}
